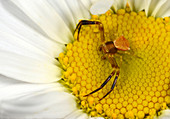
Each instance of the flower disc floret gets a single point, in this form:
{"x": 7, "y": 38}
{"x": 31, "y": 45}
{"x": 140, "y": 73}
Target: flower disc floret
{"x": 143, "y": 85}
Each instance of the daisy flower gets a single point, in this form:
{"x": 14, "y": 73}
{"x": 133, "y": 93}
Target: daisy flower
{"x": 45, "y": 71}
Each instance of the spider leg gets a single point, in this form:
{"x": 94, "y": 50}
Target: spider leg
{"x": 88, "y": 22}
{"x": 103, "y": 84}
{"x": 128, "y": 53}
{"x": 113, "y": 85}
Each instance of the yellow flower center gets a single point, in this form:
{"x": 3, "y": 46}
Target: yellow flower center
{"x": 142, "y": 88}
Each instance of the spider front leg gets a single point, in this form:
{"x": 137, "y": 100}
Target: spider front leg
{"x": 88, "y": 22}
{"x": 113, "y": 85}
{"x": 117, "y": 70}
{"x": 130, "y": 53}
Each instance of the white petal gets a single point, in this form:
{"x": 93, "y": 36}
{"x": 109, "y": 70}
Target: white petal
{"x": 45, "y": 16}
{"x": 164, "y": 10}
{"x": 71, "y": 11}
{"x": 6, "y": 81}
{"x": 34, "y": 51}
{"x": 157, "y": 7}
{"x": 78, "y": 10}
{"x": 89, "y": 3}
{"x": 28, "y": 69}
{"x": 101, "y": 7}
{"x": 12, "y": 42}
{"x": 119, "y": 4}
{"x": 11, "y": 26}
{"x": 147, "y": 5}
{"x": 136, "y": 5}
{"x": 97, "y": 118}
{"x": 61, "y": 7}
{"x": 86, "y": 3}
{"x": 78, "y": 114}
{"x": 165, "y": 115}
{"x": 35, "y": 101}
{"x": 94, "y": 1}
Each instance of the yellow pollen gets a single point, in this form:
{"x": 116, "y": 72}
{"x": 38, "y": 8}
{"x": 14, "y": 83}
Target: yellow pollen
{"x": 142, "y": 88}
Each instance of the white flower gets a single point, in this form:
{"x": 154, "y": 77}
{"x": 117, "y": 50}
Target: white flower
{"x": 32, "y": 34}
